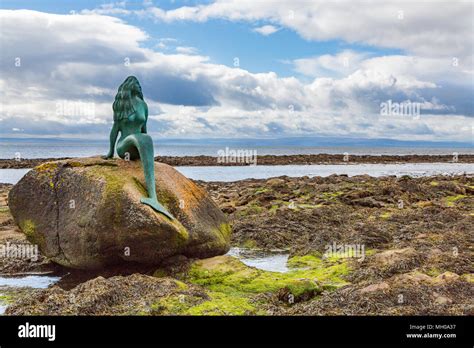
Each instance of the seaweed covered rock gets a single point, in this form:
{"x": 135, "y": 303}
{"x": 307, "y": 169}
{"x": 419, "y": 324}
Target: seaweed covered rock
{"x": 120, "y": 295}
{"x": 86, "y": 213}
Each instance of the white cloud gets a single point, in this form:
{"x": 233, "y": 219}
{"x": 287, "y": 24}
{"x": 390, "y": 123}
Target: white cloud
{"x": 325, "y": 65}
{"x": 437, "y": 27}
{"x": 166, "y": 43}
{"x": 426, "y": 68}
{"x": 75, "y": 59}
{"x": 186, "y": 50}
{"x": 113, "y": 8}
{"x": 266, "y": 30}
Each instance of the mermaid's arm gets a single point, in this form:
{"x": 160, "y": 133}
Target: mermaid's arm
{"x": 113, "y": 139}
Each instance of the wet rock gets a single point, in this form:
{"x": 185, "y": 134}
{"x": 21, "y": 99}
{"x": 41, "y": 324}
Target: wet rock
{"x": 382, "y": 286}
{"x": 447, "y": 277}
{"x": 367, "y": 202}
{"x": 412, "y": 278}
{"x": 353, "y": 195}
{"x": 394, "y": 256}
{"x": 275, "y": 182}
{"x": 441, "y": 300}
{"x": 287, "y": 296}
{"x": 119, "y": 295}
{"x": 228, "y": 208}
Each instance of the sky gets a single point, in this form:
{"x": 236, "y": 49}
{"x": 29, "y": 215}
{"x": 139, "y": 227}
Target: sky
{"x": 238, "y": 69}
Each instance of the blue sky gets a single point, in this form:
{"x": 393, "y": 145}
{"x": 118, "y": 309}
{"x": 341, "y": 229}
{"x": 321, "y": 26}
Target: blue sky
{"x": 220, "y": 40}
{"x": 305, "y": 68}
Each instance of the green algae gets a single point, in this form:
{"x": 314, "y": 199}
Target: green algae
{"x": 232, "y": 286}
{"x": 261, "y": 190}
{"x": 451, "y": 200}
{"x": 273, "y": 209}
{"x": 115, "y": 183}
{"x": 29, "y": 228}
{"x": 160, "y": 273}
{"x": 226, "y": 230}
{"x": 434, "y": 272}
{"x": 232, "y": 275}
{"x": 174, "y": 305}
{"x": 140, "y": 187}
{"x": 49, "y": 170}
{"x": 222, "y": 304}
{"x": 215, "y": 303}
{"x": 5, "y": 299}
{"x": 305, "y": 261}
{"x": 469, "y": 277}
{"x": 331, "y": 195}
{"x": 251, "y": 209}
{"x": 249, "y": 244}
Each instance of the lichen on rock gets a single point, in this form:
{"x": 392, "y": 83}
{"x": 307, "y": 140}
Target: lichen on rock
{"x": 86, "y": 213}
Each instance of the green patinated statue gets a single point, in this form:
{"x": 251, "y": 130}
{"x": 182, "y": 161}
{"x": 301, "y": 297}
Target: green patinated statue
{"x": 130, "y": 117}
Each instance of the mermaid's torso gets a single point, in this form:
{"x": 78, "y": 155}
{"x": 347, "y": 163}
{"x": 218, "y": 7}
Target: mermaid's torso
{"x": 134, "y": 123}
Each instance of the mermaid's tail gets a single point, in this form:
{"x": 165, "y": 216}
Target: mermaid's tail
{"x": 156, "y": 206}
{"x": 144, "y": 145}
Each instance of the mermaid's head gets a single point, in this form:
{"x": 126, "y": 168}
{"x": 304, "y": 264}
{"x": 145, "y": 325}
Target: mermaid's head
{"x": 123, "y": 106}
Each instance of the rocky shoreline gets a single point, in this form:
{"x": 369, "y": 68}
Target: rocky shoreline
{"x": 417, "y": 256}
{"x": 270, "y": 160}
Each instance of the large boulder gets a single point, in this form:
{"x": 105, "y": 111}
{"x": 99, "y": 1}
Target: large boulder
{"x": 86, "y": 213}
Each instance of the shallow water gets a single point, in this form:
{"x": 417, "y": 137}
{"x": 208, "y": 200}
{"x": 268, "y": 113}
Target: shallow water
{"x": 274, "y": 261}
{"x": 29, "y": 281}
{"x": 32, "y": 281}
{"x": 375, "y": 170}
{"x": 12, "y": 176}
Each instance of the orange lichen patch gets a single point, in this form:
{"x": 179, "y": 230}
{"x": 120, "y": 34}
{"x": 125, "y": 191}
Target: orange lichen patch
{"x": 188, "y": 193}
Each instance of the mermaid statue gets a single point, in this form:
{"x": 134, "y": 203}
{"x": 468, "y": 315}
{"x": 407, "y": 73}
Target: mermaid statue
{"x": 130, "y": 116}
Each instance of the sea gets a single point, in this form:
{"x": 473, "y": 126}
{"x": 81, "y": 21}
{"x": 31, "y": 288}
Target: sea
{"x": 84, "y": 148}
{"x": 56, "y": 149}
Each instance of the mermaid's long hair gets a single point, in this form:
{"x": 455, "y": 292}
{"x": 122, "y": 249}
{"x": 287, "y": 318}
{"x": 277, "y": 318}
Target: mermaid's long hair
{"x": 123, "y": 106}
